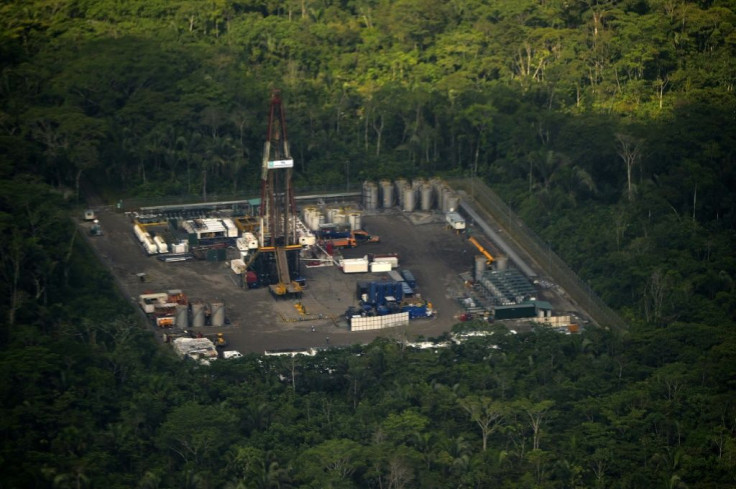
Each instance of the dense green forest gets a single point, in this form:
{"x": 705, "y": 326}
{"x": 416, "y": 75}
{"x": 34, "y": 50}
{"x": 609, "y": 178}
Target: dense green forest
{"x": 609, "y": 126}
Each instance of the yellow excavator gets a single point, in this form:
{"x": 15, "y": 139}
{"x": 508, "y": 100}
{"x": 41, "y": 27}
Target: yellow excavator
{"x": 480, "y": 247}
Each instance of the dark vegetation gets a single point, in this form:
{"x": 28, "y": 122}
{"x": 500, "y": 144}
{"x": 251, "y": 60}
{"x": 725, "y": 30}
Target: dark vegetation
{"x": 608, "y": 125}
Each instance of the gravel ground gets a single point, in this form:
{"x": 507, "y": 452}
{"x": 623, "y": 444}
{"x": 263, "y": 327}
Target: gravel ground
{"x": 258, "y": 322}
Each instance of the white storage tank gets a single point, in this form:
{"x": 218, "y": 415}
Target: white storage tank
{"x": 453, "y": 202}
{"x": 198, "y": 318}
{"x": 318, "y": 218}
{"x": 399, "y": 186}
{"x": 356, "y": 221}
{"x": 387, "y": 190}
{"x": 370, "y": 196}
{"x": 501, "y": 262}
{"x": 181, "y": 319}
{"x": 480, "y": 267}
{"x": 425, "y": 193}
{"x": 331, "y": 214}
{"x": 217, "y": 311}
{"x": 339, "y": 218}
{"x": 442, "y": 197}
{"x": 409, "y": 199}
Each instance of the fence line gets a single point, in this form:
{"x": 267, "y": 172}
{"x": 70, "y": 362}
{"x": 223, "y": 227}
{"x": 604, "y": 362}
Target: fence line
{"x": 580, "y": 292}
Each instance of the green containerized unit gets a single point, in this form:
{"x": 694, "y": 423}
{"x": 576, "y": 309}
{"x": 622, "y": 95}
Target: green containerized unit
{"x": 516, "y": 311}
{"x": 528, "y": 309}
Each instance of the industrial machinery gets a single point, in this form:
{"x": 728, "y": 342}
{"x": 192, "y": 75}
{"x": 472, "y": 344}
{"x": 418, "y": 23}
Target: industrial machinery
{"x": 351, "y": 239}
{"x": 277, "y": 260}
{"x": 483, "y": 251}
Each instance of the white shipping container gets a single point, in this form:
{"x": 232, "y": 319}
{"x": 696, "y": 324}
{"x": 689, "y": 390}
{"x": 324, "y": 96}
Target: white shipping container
{"x": 232, "y": 230}
{"x": 380, "y": 266}
{"x": 139, "y": 233}
{"x": 161, "y": 244}
{"x": 149, "y": 245}
{"x": 182, "y": 247}
{"x": 354, "y": 265}
{"x": 393, "y": 260}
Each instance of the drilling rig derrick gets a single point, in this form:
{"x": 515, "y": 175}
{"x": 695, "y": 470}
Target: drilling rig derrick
{"x": 278, "y": 240}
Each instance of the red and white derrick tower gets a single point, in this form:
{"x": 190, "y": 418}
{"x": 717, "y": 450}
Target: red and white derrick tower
{"x": 277, "y": 195}
{"x": 278, "y": 257}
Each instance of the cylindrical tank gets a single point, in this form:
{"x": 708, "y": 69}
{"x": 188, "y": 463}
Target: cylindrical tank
{"x": 388, "y": 194}
{"x": 442, "y": 197}
{"x": 409, "y": 199}
{"x": 399, "y": 185}
{"x": 197, "y": 314}
{"x": 453, "y": 202}
{"x": 355, "y": 220}
{"x": 370, "y": 196}
{"x": 446, "y": 194}
{"x": 307, "y": 216}
{"x": 217, "y": 314}
{"x": 426, "y": 197}
{"x": 182, "y": 316}
{"x": 331, "y": 214}
{"x": 480, "y": 267}
{"x": 417, "y": 183}
{"x": 339, "y": 218}
{"x": 502, "y": 262}
{"x": 307, "y": 212}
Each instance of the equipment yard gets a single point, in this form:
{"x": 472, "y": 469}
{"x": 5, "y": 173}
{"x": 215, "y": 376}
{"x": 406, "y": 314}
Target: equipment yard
{"x": 440, "y": 258}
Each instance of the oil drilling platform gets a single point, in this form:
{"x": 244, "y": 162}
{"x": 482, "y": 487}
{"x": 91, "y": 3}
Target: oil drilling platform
{"x": 278, "y": 259}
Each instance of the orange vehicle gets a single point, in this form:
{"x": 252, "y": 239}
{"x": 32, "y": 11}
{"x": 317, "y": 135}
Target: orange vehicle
{"x": 356, "y": 238}
{"x": 342, "y": 242}
{"x": 361, "y": 237}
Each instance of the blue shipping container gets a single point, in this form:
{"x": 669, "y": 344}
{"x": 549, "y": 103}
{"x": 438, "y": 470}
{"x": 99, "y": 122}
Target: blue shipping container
{"x": 406, "y": 290}
{"x": 415, "y": 312}
{"x": 378, "y": 291}
{"x": 409, "y": 278}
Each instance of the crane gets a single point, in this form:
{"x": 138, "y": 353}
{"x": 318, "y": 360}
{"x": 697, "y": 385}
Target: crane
{"x": 480, "y": 247}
